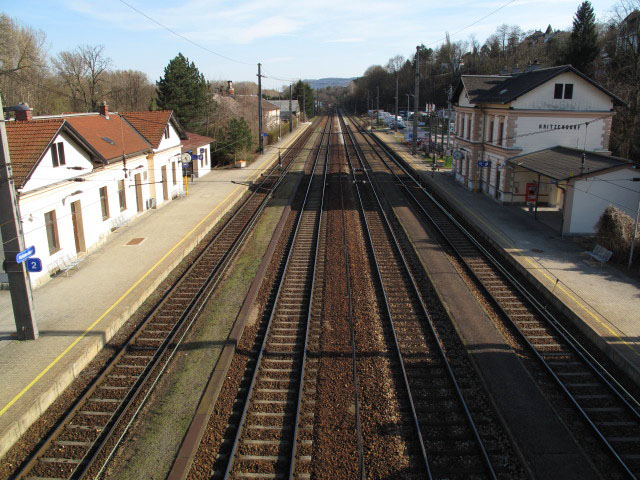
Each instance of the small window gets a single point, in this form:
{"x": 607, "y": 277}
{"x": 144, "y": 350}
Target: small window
{"x": 500, "y": 129}
{"x": 51, "y": 225}
{"x": 104, "y": 203}
{"x": 122, "y": 195}
{"x": 558, "y": 91}
{"x": 166, "y": 131}
{"x": 568, "y": 91}
{"x": 57, "y": 154}
{"x": 491, "y": 130}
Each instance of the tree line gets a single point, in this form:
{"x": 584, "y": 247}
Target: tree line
{"x": 607, "y": 51}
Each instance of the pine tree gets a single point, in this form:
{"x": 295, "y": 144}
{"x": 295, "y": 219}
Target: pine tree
{"x": 183, "y": 89}
{"x": 308, "y": 98}
{"x": 583, "y": 48}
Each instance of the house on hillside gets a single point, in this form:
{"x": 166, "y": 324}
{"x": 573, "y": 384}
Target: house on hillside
{"x": 285, "y": 113}
{"x": 542, "y": 137}
{"x": 270, "y": 111}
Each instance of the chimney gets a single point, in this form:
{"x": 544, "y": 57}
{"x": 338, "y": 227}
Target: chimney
{"x": 23, "y": 112}
{"x": 230, "y": 90}
{"x": 104, "y": 110}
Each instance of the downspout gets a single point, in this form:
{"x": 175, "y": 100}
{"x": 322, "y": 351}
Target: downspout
{"x": 564, "y": 199}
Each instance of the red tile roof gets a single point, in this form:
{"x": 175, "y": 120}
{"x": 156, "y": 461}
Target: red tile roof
{"x": 28, "y": 141}
{"x": 149, "y": 124}
{"x": 195, "y": 141}
{"x": 112, "y": 137}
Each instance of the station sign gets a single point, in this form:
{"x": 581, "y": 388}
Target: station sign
{"x": 23, "y": 255}
{"x": 484, "y": 163}
{"x": 34, "y": 264}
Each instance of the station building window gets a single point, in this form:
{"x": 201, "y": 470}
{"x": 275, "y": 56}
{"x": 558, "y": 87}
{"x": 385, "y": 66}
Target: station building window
{"x": 122, "y": 195}
{"x": 51, "y": 225}
{"x": 104, "y": 203}
{"x": 563, "y": 90}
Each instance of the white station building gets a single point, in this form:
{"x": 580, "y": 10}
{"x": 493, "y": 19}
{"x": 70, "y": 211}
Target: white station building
{"x": 79, "y": 177}
{"x": 541, "y": 137}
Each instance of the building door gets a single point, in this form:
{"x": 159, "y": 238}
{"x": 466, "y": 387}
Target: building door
{"x": 138, "y": 183}
{"x": 78, "y": 227}
{"x": 497, "y": 189}
{"x": 165, "y": 186}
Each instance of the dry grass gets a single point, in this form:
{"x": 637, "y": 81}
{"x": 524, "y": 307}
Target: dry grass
{"x": 614, "y": 232}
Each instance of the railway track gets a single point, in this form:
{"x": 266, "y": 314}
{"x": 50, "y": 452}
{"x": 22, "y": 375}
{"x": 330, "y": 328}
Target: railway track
{"x": 605, "y": 406}
{"x": 274, "y": 429}
{"x": 449, "y": 443}
{"x": 80, "y": 436}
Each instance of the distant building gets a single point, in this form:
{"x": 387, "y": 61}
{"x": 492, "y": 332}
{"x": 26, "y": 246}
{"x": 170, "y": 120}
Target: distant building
{"x": 283, "y": 105}
{"x": 628, "y": 32}
{"x": 540, "y": 137}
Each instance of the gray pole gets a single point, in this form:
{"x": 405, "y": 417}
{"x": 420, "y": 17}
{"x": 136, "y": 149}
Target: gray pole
{"x": 450, "y": 94}
{"x": 13, "y": 243}
{"x": 261, "y": 139}
{"x": 396, "y": 122}
{"x": 290, "y": 109}
{"x": 633, "y": 239}
{"x": 378, "y": 105}
{"x": 414, "y": 147}
{"x": 304, "y": 103}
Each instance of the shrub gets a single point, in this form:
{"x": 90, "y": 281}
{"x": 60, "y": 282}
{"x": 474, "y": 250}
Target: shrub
{"x": 614, "y": 231}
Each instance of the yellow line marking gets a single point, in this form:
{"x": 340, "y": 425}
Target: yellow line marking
{"x": 114, "y": 305}
{"x": 540, "y": 268}
{"x": 125, "y": 294}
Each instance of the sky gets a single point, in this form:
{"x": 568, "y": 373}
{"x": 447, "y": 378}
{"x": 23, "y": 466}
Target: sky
{"x": 292, "y": 40}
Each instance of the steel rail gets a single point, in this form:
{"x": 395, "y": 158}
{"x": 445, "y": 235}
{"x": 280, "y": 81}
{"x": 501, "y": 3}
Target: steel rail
{"x": 93, "y": 450}
{"x": 451, "y": 374}
{"x": 414, "y": 414}
{"x": 247, "y": 402}
{"x": 574, "y": 345}
{"x": 354, "y": 354}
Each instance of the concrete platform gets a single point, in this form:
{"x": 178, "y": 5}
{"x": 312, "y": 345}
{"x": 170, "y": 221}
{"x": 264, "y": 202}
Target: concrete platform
{"x": 600, "y": 299}
{"x": 78, "y": 314}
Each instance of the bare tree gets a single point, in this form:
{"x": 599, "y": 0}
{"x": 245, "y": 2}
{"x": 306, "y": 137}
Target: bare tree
{"x": 82, "y": 71}
{"x": 129, "y": 90}
{"x": 394, "y": 65}
{"x": 23, "y": 65}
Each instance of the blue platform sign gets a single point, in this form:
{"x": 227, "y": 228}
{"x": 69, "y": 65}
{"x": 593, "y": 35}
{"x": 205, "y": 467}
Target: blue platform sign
{"x": 23, "y": 255}
{"x": 484, "y": 163}
{"x": 34, "y": 264}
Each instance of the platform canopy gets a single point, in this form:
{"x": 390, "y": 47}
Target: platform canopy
{"x": 562, "y": 163}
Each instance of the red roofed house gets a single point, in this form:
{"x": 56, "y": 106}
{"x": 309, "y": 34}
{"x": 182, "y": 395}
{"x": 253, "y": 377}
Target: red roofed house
{"x": 48, "y": 158}
{"x": 199, "y": 148}
{"x": 162, "y": 130}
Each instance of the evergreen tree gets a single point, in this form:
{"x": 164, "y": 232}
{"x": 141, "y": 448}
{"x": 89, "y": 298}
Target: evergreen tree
{"x": 183, "y": 89}
{"x": 583, "y": 48}
{"x": 308, "y": 98}
{"x": 237, "y": 139}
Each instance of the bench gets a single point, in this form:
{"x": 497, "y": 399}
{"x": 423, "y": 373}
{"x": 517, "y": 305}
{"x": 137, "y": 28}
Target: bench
{"x": 63, "y": 265}
{"x": 600, "y": 254}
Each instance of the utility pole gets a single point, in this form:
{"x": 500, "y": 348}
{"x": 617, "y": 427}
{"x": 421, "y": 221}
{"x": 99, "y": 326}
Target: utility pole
{"x": 261, "y": 139}
{"x": 304, "y": 103}
{"x": 414, "y": 147}
{"x": 378, "y": 105}
{"x": 397, "y": 100}
{"x": 449, "y": 97}
{"x": 290, "y": 108}
{"x": 13, "y": 243}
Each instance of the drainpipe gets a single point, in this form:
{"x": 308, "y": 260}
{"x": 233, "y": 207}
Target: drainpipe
{"x": 564, "y": 199}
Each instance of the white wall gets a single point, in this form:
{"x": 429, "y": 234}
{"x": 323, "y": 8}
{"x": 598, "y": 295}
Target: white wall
{"x": 45, "y": 173}
{"x": 591, "y": 196}
{"x": 202, "y": 167}
{"x": 172, "y": 141}
{"x": 34, "y": 205}
{"x": 585, "y": 96}
{"x": 551, "y": 134}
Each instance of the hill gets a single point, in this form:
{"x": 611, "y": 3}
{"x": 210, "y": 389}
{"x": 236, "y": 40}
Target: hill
{"x": 329, "y": 82}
